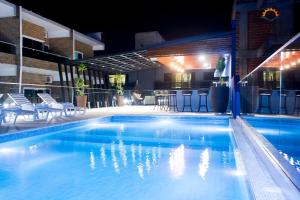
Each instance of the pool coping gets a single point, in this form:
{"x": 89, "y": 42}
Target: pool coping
{"x": 266, "y": 178}
{"x": 10, "y": 136}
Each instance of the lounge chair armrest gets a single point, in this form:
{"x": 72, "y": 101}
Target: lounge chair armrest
{"x": 41, "y": 106}
{"x": 68, "y": 105}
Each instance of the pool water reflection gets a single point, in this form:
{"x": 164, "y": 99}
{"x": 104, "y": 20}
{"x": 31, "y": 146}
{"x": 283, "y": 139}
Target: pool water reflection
{"x": 125, "y": 158}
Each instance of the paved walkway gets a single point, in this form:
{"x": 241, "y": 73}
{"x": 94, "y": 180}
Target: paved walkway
{"x": 92, "y": 113}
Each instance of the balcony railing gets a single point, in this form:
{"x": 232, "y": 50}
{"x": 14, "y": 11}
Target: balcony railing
{"x": 7, "y": 47}
{"x": 10, "y": 48}
{"x": 43, "y": 55}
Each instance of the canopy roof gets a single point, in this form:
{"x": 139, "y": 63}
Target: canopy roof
{"x": 214, "y": 44}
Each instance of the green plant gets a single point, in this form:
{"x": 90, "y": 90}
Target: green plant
{"x": 79, "y": 82}
{"x": 220, "y": 66}
{"x": 119, "y": 84}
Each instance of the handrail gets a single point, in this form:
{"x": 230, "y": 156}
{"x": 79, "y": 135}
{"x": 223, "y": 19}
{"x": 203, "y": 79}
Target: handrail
{"x": 1, "y": 41}
{"x": 45, "y": 52}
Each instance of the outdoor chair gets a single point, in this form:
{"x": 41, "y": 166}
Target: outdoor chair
{"x": 137, "y": 98}
{"x": 22, "y": 106}
{"x": 68, "y": 108}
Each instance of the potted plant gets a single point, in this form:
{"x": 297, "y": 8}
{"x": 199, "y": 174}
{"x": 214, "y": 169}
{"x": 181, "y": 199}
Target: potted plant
{"x": 81, "y": 98}
{"x": 119, "y": 89}
{"x": 220, "y": 91}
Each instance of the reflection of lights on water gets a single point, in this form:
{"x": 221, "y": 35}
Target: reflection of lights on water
{"x": 141, "y": 170}
{"x": 122, "y": 151}
{"x": 122, "y": 127}
{"x": 103, "y": 156}
{"x": 92, "y": 161}
{"x": 154, "y": 159}
{"x": 33, "y": 149}
{"x": 114, "y": 158}
{"x": 140, "y": 151}
{"x": 132, "y": 147}
{"x": 224, "y": 157}
{"x": 8, "y": 150}
{"x": 140, "y": 164}
{"x": 147, "y": 163}
{"x": 204, "y": 164}
{"x": 165, "y": 122}
{"x": 176, "y": 161}
{"x": 202, "y": 139}
{"x": 159, "y": 153}
{"x": 292, "y": 161}
{"x": 235, "y": 172}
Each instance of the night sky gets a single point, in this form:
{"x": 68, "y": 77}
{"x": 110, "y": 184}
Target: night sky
{"x": 119, "y": 20}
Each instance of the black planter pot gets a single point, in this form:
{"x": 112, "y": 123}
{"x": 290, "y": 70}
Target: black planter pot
{"x": 219, "y": 98}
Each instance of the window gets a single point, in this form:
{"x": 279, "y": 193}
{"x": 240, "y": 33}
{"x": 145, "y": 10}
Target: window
{"x": 181, "y": 80}
{"x": 78, "y": 55}
{"x": 33, "y": 44}
{"x": 271, "y": 79}
{"x": 46, "y": 47}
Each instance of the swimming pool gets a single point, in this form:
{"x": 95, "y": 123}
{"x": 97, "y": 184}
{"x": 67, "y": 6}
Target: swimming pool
{"x": 284, "y": 135}
{"x": 124, "y": 157}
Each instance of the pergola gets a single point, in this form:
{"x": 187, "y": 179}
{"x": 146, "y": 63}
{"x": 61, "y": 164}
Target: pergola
{"x": 124, "y": 62}
{"x": 121, "y": 62}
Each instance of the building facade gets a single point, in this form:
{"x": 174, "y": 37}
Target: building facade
{"x": 31, "y": 47}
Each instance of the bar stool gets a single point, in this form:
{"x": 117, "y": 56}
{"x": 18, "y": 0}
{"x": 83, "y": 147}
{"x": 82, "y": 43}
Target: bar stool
{"x": 158, "y": 99}
{"x": 187, "y": 99}
{"x": 203, "y": 93}
{"x": 296, "y": 102}
{"x": 265, "y": 93}
{"x": 173, "y": 100}
{"x": 165, "y": 100}
{"x": 283, "y": 95}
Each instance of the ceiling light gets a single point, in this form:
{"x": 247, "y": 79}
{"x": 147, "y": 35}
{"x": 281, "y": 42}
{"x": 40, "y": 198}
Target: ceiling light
{"x": 293, "y": 63}
{"x": 201, "y": 58}
{"x": 206, "y": 65}
{"x": 287, "y": 54}
{"x": 179, "y": 59}
{"x": 287, "y": 66}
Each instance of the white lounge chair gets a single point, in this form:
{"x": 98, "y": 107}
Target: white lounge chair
{"x": 68, "y": 108}
{"x": 24, "y": 107}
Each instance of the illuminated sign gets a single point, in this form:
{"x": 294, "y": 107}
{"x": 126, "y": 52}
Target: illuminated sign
{"x": 270, "y": 13}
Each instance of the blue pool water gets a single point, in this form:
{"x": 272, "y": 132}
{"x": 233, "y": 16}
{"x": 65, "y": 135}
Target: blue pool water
{"x": 121, "y": 157}
{"x": 283, "y": 134}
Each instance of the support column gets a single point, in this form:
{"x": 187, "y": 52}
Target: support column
{"x": 234, "y": 90}
{"x": 67, "y": 82}
{"x": 73, "y": 83}
{"x": 92, "y": 87}
{"x": 19, "y": 51}
{"x": 61, "y": 80}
